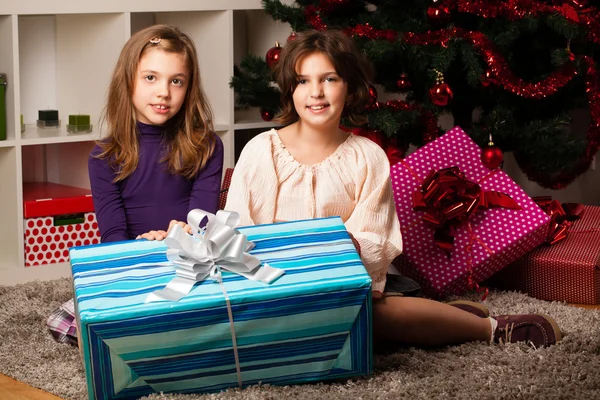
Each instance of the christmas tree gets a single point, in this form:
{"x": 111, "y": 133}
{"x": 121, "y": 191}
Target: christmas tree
{"x": 508, "y": 70}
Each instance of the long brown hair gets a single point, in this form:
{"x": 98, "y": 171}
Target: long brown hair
{"x": 189, "y": 134}
{"x": 349, "y": 64}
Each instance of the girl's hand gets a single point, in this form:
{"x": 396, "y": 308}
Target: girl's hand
{"x": 161, "y": 235}
{"x": 187, "y": 228}
{"x": 153, "y": 235}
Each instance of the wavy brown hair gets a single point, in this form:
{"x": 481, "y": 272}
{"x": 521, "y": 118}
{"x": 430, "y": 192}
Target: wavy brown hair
{"x": 188, "y": 134}
{"x": 349, "y": 64}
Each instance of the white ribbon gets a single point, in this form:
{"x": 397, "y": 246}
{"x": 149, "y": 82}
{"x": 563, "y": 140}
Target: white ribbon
{"x": 199, "y": 256}
{"x": 204, "y": 253}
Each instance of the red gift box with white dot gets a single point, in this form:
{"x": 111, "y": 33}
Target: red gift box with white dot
{"x": 496, "y": 237}
{"x": 565, "y": 271}
{"x": 57, "y": 217}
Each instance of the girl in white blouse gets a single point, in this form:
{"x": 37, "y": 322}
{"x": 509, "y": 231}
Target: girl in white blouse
{"x": 311, "y": 168}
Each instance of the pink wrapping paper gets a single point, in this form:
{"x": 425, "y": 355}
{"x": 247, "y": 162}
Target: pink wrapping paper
{"x": 500, "y": 236}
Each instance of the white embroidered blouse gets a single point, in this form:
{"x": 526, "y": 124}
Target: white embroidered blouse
{"x": 269, "y": 185}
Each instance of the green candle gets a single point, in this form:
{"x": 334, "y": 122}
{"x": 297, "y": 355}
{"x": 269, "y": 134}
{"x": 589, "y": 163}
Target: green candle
{"x": 79, "y": 120}
{"x": 79, "y": 123}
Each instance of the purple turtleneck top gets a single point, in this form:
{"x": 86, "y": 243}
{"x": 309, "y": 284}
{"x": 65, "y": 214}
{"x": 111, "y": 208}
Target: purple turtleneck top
{"x": 151, "y": 196}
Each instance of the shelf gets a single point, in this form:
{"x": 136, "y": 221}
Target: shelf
{"x": 34, "y": 136}
{"x": 48, "y": 162}
{"x": 12, "y": 226}
{"x": 60, "y": 55}
{"x": 221, "y": 127}
{"x": 249, "y": 118}
{"x": 71, "y": 79}
{"x": 8, "y": 143}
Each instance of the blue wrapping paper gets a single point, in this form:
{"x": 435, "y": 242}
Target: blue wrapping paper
{"x": 312, "y": 324}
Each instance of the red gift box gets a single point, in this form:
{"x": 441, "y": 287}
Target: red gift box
{"x": 566, "y": 271}
{"x": 484, "y": 244}
{"x": 57, "y": 217}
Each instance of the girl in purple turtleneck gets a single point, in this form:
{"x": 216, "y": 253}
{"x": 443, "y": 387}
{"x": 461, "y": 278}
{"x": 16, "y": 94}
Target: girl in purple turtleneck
{"x": 161, "y": 158}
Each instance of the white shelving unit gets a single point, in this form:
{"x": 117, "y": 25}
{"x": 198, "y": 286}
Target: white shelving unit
{"x": 60, "y": 54}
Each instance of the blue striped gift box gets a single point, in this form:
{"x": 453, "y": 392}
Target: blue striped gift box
{"x": 312, "y": 324}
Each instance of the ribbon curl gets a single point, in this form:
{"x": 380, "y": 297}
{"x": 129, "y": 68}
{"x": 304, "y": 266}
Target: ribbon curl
{"x": 202, "y": 255}
{"x": 562, "y": 217}
{"x": 449, "y": 200}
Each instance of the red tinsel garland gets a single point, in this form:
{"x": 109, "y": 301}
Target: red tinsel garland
{"x": 517, "y": 9}
{"x": 498, "y": 69}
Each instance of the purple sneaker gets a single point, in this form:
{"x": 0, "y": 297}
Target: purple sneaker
{"x": 535, "y": 329}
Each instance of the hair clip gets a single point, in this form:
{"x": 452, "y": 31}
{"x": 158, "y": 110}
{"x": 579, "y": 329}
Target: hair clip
{"x": 155, "y": 40}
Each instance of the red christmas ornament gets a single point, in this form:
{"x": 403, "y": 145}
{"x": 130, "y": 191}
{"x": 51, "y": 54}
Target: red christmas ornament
{"x": 403, "y": 82}
{"x": 438, "y": 15}
{"x": 272, "y": 56}
{"x": 292, "y": 36}
{"x": 372, "y": 96}
{"x": 266, "y": 115}
{"x": 571, "y": 56}
{"x": 440, "y": 94}
{"x": 492, "y": 155}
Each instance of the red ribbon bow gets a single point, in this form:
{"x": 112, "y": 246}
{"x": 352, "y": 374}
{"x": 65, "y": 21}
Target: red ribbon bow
{"x": 562, "y": 217}
{"x": 449, "y": 200}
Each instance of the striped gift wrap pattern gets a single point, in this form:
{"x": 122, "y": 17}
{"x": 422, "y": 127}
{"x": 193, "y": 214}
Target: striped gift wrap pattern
{"x": 312, "y": 324}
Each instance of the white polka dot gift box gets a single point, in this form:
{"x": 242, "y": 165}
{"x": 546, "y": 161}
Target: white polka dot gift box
{"x": 566, "y": 271}
{"x": 57, "y": 217}
{"x": 484, "y": 242}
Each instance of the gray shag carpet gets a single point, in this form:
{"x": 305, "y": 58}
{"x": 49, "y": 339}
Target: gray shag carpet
{"x": 568, "y": 370}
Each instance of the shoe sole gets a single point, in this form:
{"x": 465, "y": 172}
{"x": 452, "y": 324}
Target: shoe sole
{"x": 473, "y": 304}
{"x": 557, "y": 332}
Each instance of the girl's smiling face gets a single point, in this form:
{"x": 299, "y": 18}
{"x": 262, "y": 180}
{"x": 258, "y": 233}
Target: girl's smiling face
{"x": 320, "y": 96}
{"x": 160, "y": 86}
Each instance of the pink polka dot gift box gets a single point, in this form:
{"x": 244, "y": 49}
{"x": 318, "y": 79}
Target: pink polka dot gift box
{"x": 484, "y": 241}
{"x": 57, "y": 217}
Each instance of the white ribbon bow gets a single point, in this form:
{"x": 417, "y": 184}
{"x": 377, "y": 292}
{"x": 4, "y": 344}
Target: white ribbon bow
{"x": 203, "y": 254}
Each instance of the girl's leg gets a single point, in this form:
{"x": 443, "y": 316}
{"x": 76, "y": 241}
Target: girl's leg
{"x": 422, "y": 322}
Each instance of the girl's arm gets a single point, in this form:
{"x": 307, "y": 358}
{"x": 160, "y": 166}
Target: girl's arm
{"x": 207, "y": 185}
{"x": 374, "y": 223}
{"x": 108, "y": 202}
{"x": 254, "y": 184}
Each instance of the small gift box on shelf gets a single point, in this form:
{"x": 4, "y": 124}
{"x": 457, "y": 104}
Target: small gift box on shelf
{"x": 57, "y": 217}
{"x": 79, "y": 123}
{"x": 48, "y": 119}
{"x": 311, "y": 323}
{"x": 461, "y": 222}
{"x": 568, "y": 270}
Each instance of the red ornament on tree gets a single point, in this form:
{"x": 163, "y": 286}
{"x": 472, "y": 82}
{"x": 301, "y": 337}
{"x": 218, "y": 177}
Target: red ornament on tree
{"x": 372, "y": 97}
{"x": 272, "y": 56}
{"x": 403, "y": 82}
{"x": 292, "y": 36}
{"x": 440, "y": 94}
{"x": 492, "y": 155}
{"x": 266, "y": 115}
{"x": 438, "y": 15}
